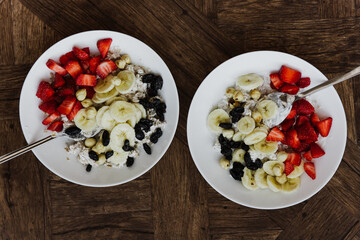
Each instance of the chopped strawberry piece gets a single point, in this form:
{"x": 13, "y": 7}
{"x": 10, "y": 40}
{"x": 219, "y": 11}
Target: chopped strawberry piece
{"x": 56, "y": 126}
{"x": 303, "y": 82}
{"x": 103, "y": 45}
{"x": 272, "y": 86}
{"x": 292, "y": 138}
{"x": 87, "y": 50}
{"x": 64, "y": 60}
{"x": 303, "y": 107}
{"x": 89, "y": 92}
{"x": 307, "y": 155}
{"x": 286, "y": 124}
{"x": 48, "y": 107}
{"x": 292, "y": 114}
{"x": 94, "y": 62}
{"x": 314, "y": 118}
{"x": 45, "y": 91}
{"x": 67, "y": 105}
{"x": 105, "y": 67}
{"x": 85, "y": 65}
{"x": 275, "y": 80}
{"x": 56, "y": 67}
{"x": 290, "y": 89}
{"x": 74, "y": 68}
{"x": 275, "y": 135}
{"x": 306, "y": 132}
{"x": 58, "y": 81}
{"x": 301, "y": 119}
{"x": 74, "y": 111}
{"x": 309, "y": 168}
{"x": 51, "y": 118}
{"x": 324, "y": 126}
{"x": 289, "y": 75}
{"x": 66, "y": 91}
{"x": 59, "y": 99}
{"x": 86, "y": 80}
{"x": 294, "y": 158}
{"x": 80, "y": 54}
{"x": 289, "y": 167}
{"x": 304, "y": 146}
{"x": 70, "y": 55}
{"x": 316, "y": 150}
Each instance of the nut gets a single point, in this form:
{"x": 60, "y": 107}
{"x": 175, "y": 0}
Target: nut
{"x": 256, "y": 116}
{"x": 120, "y": 63}
{"x": 230, "y": 92}
{"x": 81, "y": 94}
{"x": 126, "y": 58}
{"x": 87, "y": 103}
{"x": 228, "y": 133}
{"x": 255, "y": 94}
{"x": 91, "y": 112}
{"x": 90, "y": 142}
{"x": 281, "y": 179}
{"x": 102, "y": 159}
{"x": 238, "y": 96}
{"x": 99, "y": 147}
{"x": 224, "y": 163}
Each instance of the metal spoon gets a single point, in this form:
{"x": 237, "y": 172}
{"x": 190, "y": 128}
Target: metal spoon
{"x": 72, "y": 132}
{"x": 285, "y": 101}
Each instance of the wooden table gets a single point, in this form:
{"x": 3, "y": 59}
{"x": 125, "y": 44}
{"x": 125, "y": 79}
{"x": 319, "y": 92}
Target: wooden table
{"x": 172, "y": 200}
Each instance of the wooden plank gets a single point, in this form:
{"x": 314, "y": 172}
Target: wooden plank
{"x": 351, "y": 156}
{"x": 6, "y": 47}
{"x": 12, "y": 79}
{"x": 207, "y": 7}
{"x": 353, "y": 232}
{"x": 356, "y": 92}
{"x": 337, "y": 9}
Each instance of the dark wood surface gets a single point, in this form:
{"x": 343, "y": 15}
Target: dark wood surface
{"x": 172, "y": 200}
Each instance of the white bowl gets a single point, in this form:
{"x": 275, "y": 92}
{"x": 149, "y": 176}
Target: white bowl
{"x": 326, "y": 102}
{"x": 53, "y": 154}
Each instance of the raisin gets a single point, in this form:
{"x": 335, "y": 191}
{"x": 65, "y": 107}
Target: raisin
{"x": 238, "y": 165}
{"x": 73, "y": 131}
{"x": 226, "y": 151}
{"x": 148, "y": 78}
{"x": 88, "y": 168}
{"x": 129, "y": 161}
{"x": 258, "y": 163}
{"x": 147, "y": 148}
{"x": 146, "y": 104}
{"x": 126, "y": 147}
{"x": 139, "y": 134}
{"x": 236, "y": 174}
{"x": 160, "y": 116}
{"x": 152, "y": 92}
{"x": 245, "y": 147}
{"x": 109, "y": 154}
{"x": 234, "y": 144}
{"x": 157, "y": 83}
{"x": 93, "y": 155}
{"x": 225, "y": 125}
{"x": 105, "y": 138}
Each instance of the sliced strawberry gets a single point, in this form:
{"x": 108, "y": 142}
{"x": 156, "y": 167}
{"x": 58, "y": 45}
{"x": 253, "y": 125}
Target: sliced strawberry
{"x": 74, "y": 68}
{"x": 324, "y": 126}
{"x": 303, "y": 82}
{"x": 316, "y": 150}
{"x": 58, "y": 81}
{"x": 103, "y": 45}
{"x": 306, "y": 132}
{"x": 67, "y": 105}
{"x": 86, "y": 80}
{"x": 56, "y": 126}
{"x": 66, "y": 91}
{"x": 272, "y": 86}
{"x": 105, "y": 67}
{"x": 64, "y": 60}
{"x": 48, "y": 107}
{"x": 303, "y": 107}
{"x": 51, "y": 118}
{"x": 85, "y": 65}
{"x": 70, "y": 55}
{"x": 289, "y": 75}
{"x": 94, "y": 62}
{"x": 301, "y": 119}
{"x": 304, "y": 146}
{"x": 80, "y": 54}
{"x": 314, "y": 118}
{"x": 289, "y": 167}
{"x": 59, "y": 99}
{"x": 45, "y": 91}
{"x": 292, "y": 114}
{"x": 290, "y": 89}
{"x": 286, "y": 124}
{"x": 56, "y": 67}
{"x": 292, "y": 138}
{"x": 275, "y": 80}
{"x": 307, "y": 155}
{"x": 294, "y": 158}
{"x": 89, "y": 92}
{"x": 86, "y": 49}
{"x": 74, "y": 111}
{"x": 275, "y": 135}
{"x": 309, "y": 168}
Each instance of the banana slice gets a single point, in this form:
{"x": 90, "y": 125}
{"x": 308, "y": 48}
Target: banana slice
{"x": 97, "y": 100}
{"x": 273, "y": 184}
{"x": 105, "y": 85}
{"x": 298, "y": 170}
{"x": 254, "y": 137}
{"x": 281, "y": 156}
{"x": 132, "y": 121}
{"x": 216, "y": 117}
{"x": 268, "y": 109}
{"x": 113, "y": 99}
{"x": 238, "y": 156}
{"x": 246, "y": 125}
{"x": 238, "y": 136}
{"x": 261, "y": 129}
{"x": 105, "y": 96}
{"x": 291, "y": 185}
{"x": 261, "y": 178}
{"x": 266, "y": 147}
{"x": 142, "y": 110}
{"x": 248, "y": 180}
{"x": 118, "y": 158}
{"x": 281, "y": 179}
{"x": 85, "y": 119}
{"x": 249, "y": 81}
{"x": 100, "y": 113}
{"x": 273, "y": 168}
{"x": 119, "y": 134}
{"x": 127, "y": 81}
{"x": 138, "y": 113}
{"x": 122, "y": 111}
{"x": 107, "y": 121}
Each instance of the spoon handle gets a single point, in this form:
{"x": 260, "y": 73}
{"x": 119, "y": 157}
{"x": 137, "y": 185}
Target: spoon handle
{"x": 331, "y": 82}
{"x": 20, "y": 151}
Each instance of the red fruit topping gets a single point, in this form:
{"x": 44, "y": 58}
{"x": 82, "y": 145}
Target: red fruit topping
{"x": 48, "y": 107}
{"x": 64, "y": 60}
{"x": 309, "y": 168}
{"x": 45, "y": 91}
{"x": 292, "y": 138}
{"x": 290, "y": 89}
{"x": 74, "y": 111}
{"x": 316, "y": 150}
{"x": 286, "y": 124}
{"x": 59, "y": 99}
{"x": 303, "y": 107}
{"x": 306, "y": 132}
{"x": 86, "y": 80}
{"x": 324, "y": 126}
{"x": 272, "y": 85}
{"x": 105, "y": 67}
{"x": 289, "y": 167}
{"x": 301, "y": 119}
{"x": 80, "y": 54}
{"x": 51, "y": 118}
{"x": 87, "y": 50}
{"x": 103, "y": 45}
{"x": 307, "y": 155}
{"x": 303, "y": 147}
{"x": 70, "y": 55}
{"x": 289, "y": 75}
{"x": 292, "y": 114}
{"x": 74, "y": 68}
{"x": 58, "y": 81}
{"x": 94, "y": 62}
{"x": 303, "y": 82}
{"x": 56, "y": 67}
{"x": 275, "y": 135}
{"x": 294, "y": 158}
{"x": 314, "y": 118}
{"x": 67, "y": 105}
{"x": 56, "y": 126}
{"x": 66, "y": 91}
{"x": 85, "y": 65}
{"x": 275, "y": 80}
{"x": 89, "y": 92}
